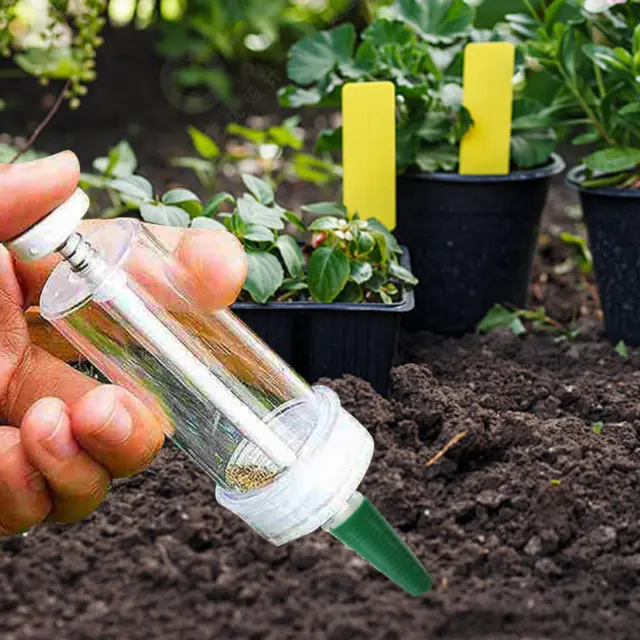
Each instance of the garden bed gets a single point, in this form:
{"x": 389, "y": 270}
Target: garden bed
{"x": 530, "y": 522}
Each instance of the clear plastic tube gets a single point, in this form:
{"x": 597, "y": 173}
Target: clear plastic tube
{"x": 287, "y": 458}
{"x": 220, "y": 393}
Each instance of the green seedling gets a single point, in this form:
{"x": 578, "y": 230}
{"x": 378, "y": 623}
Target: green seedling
{"x": 274, "y": 153}
{"x": 622, "y": 350}
{"x": 502, "y": 317}
{"x": 597, "y": 428}
{"x": 580, "y": 257}
{"x": 346, "y": 259}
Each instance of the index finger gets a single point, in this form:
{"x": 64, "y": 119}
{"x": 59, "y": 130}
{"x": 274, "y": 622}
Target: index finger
{"x": 215, "y": 260}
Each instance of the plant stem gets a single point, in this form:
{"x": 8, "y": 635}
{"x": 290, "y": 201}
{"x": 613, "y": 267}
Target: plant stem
{"x": 588, "y": 110}
{"x": 40, "y": 128}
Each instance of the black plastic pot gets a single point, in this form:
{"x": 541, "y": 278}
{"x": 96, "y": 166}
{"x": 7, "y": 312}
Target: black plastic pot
{"x": 613, "y": 223}
{"x": 472, "y": 241}
{"x": 330, "y": 340}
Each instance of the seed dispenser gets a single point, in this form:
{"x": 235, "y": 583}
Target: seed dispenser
{"x": 286, "y": 457}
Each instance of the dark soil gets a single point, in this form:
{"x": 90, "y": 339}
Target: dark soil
{"x": 530, "y": 523}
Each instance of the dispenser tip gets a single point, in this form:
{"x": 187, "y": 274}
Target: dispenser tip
{"x": 366, "y": 532}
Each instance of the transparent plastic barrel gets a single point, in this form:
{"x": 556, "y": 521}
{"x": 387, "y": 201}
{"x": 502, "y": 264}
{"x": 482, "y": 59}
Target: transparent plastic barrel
{"x": 139, "y": 266}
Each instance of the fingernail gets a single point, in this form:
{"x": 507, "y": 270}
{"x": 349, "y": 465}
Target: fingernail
{"x": 55, "y": 435}
{"x": 117, "y": 426}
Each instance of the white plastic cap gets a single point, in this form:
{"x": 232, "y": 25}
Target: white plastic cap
{"x": 330, "y": 465}
{"x": 49, "y": 234}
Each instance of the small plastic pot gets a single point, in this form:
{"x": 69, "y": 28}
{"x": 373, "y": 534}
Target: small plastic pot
{"x": 613, "y": 223}
{"x": 330, "y": 340}
{"x": 472, "y": 241}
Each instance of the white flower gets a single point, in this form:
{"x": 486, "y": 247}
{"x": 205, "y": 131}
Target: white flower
{"x": 599, "y": 6}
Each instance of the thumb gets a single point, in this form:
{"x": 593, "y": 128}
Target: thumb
{"x": 30, "y": 190}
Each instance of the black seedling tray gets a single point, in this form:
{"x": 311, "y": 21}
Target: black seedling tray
{"x": 330, "y": 340}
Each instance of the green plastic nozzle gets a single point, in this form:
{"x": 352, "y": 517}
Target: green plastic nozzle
{"x": 368, "y": 533}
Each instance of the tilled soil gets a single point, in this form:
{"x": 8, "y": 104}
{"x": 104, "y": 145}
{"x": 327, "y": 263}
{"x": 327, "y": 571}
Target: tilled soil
{"x": 530, "y": 524}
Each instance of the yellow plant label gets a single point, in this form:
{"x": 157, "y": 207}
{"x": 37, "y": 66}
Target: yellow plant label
{"x": 369, "y": 150}
{"x": 488, "y": 95}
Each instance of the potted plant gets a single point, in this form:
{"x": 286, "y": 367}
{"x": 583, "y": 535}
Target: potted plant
{"x": 471, "y": 238}
{"x": 330, "y": 305}
{"x": 592, "y": 48}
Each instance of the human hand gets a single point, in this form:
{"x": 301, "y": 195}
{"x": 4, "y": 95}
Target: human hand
{"x": 70, "y": 436}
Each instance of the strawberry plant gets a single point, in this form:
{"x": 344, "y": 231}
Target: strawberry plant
{"x": 592, "y": 49}
{"x": 418, "y": 45}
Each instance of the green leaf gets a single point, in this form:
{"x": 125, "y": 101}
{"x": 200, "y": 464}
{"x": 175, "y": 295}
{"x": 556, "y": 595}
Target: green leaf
{"x": 207, "y": 223}
{"x": 607, "y": 59}
{"x": 442, "y": 157}
{"x": 589, "y": 137}
{"x": 56, "y": 62}
{"x": 291, "y": 255}
{"x": 213, "y": 206}
{"x": 622, "y": 350}
{"x": 260, "y": 190}
{"x": 614, "y": 160}
{"x": 296, "y": 97}
{"x": 532, "y": 148}
{"x": 361, "y": 271}
{"x": 203, "y": 144}
{"x": 258, "y": 233}
{"x": 205, "y": 170}
{"x": 294, "y": 220}
{"x": 184, "y": 199}
{"x": 435, "y": 127}
{"x": 252, "y": 212}
{"x": 235, "y": 224}
{"x": 133, "y": 188}
{"x": 167, "y": 215}
{"x": 390, "y": 239}
{"x": 585, "y": 258}
{"x": 376, "y": 282}
{"x": 569, "y": 54}
{"x": 286, "y": 137}
{"x": 636, "y": 40}
{"x": 364, "y": 64}
{"x": 597, "y": 427}
{"x": 326, "y": 209}
{"x": 351, "y": 293}
{"x": 382, "y": 33}
{"x": 327, "y": 273}
{"x": 496, "y": 318}
{"x": 314, "y": 57}
{"x": 120, "y": 163}
{"x": 327, "y": 223}
{"x": 256, "y": 136}
{"x": 435, "y": 20}
{"x": 365, "y": 243}
{"x": 87, "y": 180}
{"x": 402, "y": 274}
{"x": 315, "y": 170}
{"x": 291, "y": 284}
{"x": 328, "y": 141}
{"x": 264, "y": 276}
